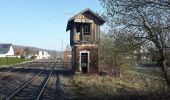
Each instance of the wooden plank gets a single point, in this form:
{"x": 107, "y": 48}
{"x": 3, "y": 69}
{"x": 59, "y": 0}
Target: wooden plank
{"x": 83, "y": 21}
{"x": 99, "y": 35}
{"x": 94, "y": 32}
{"x": 82, "y": 32}
{"x": 91, "y": 33}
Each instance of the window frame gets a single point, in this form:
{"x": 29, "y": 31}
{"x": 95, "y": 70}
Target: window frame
{"x": 86, "y": 29}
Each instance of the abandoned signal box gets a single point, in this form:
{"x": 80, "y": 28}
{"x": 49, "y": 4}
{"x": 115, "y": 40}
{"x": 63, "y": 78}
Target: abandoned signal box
{"x": 84, "y": 38}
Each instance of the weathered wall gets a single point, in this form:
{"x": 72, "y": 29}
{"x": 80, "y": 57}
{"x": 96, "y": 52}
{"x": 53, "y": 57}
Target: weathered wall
{"x": 93, "y": 65}
{"x": 95, "y": 28}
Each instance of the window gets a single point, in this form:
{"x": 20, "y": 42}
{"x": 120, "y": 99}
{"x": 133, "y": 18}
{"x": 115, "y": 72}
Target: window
{"x": 86, "y": 29}
{"x": 78, "y": 29}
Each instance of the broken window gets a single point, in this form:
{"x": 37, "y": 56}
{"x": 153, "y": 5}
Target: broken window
{"x": 77, "y": 34}
{"x": 78, "y": 29}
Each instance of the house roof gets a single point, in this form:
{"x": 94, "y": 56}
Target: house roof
{"x": 4, "y": 48}
{"x": 102, "y": 21}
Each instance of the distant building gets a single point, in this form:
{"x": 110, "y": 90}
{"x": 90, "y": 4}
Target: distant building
{"x": 142, "y": 53}
{"x": 6, "y": 50}
{"x": 43, "y": 55}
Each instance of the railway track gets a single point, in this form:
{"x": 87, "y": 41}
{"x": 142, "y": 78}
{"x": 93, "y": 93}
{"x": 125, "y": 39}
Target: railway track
{"x": 33, "y": 88}
{"x": 27, "y": 68}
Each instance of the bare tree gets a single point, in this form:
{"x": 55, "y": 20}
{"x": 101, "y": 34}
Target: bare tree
{"x": 27, "y": 51}
{"x": 116, "y": 51}
{"x": 148, "y": 20}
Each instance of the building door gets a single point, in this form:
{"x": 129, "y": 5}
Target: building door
{"x": 84, "y": 62}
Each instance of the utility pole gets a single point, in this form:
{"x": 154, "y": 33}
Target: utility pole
{"x": 61, "y": 47}
{"x": 62, "y": 64}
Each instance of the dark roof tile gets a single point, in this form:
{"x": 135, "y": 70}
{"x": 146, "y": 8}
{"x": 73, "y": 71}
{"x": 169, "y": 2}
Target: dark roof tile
{"x": 4, "y": 48}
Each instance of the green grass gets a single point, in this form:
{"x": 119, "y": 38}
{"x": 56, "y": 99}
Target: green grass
{"x": 11, "y": 60}
{"x": 131, "y": 85}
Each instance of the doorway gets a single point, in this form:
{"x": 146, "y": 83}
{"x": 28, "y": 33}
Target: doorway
{"x": 84, "y": 62}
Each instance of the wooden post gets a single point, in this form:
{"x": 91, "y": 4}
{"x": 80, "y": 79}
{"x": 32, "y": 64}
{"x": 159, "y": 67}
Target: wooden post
{"x": 91, "y": 34}
{"x": 74, "y": 32}
{"x": 82, "y": 32}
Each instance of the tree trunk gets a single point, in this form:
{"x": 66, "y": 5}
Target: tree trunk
{"x": 164, "y": 67}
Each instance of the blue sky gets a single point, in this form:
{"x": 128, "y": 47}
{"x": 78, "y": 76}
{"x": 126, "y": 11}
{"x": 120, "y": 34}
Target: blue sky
{"x": 39, "y": 23}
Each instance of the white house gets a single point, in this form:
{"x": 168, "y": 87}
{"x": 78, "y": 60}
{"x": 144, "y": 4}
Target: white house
{"x": 43, "y": 55}
{"x": 6, "y": 50}
{"x": 143, "y": 52}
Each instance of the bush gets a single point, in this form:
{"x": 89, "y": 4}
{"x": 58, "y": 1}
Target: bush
{"x": 33, "y": 57}
{"x": 113, "y": 60}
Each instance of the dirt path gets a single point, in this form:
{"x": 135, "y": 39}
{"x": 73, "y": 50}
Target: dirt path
{"x": 65, "y": 88}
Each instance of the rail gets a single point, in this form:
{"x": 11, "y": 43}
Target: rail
{"x": 40, "y": 94}
{"x": 46, "y": 79}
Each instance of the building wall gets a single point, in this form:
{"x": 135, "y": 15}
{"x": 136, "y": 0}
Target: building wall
{"x": 67, "y": 56}
{"x": 95, "y": 28}
{"x": 43, "y": 55}
{"x": 93, "y": 57}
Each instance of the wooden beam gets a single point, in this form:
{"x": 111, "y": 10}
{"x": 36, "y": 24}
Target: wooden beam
{"x": 83, "y": 21}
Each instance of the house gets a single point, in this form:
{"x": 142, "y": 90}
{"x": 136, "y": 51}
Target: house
{"x": 43, "y": 55}
{"x": 84, "y": 30}
{"x": 6, "y": 50}
{"x": 142, "y": 54}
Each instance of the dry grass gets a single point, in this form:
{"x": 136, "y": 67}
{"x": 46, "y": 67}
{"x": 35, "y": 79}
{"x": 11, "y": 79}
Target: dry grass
{"x": 132, "y": 85}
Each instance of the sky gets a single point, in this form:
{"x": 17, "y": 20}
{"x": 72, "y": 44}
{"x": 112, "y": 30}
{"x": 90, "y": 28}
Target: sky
{"x": 40, "y": 23}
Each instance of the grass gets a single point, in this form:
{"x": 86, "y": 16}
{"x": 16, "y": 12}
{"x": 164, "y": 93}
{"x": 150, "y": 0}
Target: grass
{"x": 11, "y": 60}
{"x": 132, "y": 85}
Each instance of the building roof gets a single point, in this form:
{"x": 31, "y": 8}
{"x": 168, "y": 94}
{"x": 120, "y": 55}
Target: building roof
{"x": 102, "y": 21}
{"x": 4, "y": 48}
